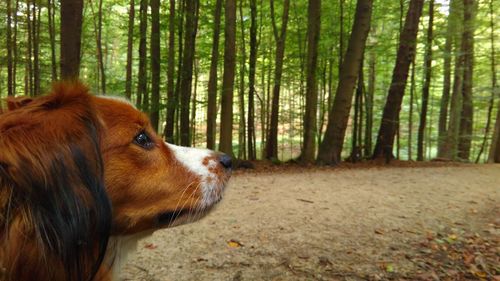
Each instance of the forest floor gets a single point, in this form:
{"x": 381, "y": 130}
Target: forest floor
{"x": 437, "y": 222}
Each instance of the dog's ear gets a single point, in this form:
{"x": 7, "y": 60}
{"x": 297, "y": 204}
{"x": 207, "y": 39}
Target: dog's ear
{"x": 53, "y": 205}
{"x": 18, "y": 102}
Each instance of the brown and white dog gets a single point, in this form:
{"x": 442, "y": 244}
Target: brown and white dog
{"x": 82, "y": 177}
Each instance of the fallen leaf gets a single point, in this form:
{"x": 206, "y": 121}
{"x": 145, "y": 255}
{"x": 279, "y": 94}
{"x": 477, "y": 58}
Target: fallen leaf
{"x": 379, "y": 231}
{"x": 234, "y": 243}
{"x": 389, "y": 268}
{"x": 150, "y": 246}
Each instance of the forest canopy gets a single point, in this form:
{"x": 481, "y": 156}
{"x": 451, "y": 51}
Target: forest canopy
{"x": 305, "y": 80}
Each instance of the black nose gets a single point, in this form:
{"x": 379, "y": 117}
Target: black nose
{"x": 226, "y": 161}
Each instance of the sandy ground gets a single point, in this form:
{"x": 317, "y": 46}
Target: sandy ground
{"x": 334, "y": 224}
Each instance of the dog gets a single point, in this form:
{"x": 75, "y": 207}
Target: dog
{"x": 83, "y": 177}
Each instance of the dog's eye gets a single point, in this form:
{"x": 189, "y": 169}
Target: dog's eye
{"x": 143, "y": 140}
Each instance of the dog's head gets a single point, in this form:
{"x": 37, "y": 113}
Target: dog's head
{"x": 77, "y": 168}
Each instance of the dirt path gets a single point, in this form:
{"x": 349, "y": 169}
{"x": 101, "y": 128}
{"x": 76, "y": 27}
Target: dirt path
{"x": 326, "y": 225}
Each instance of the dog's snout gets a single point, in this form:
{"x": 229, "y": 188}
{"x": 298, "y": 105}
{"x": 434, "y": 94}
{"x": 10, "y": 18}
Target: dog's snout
{"x": 226, "y": 161}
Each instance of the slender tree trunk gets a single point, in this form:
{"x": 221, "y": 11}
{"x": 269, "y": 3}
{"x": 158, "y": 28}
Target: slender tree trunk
{"x": 369, "y": 95}
{"x": 14, "y": 49}
{"x": 494, "y": 155}
{"x": 212, "y": 79}
{"x": 445, "y": 98}
{"x": 10, "y": 80}
{"x": 130, "y": 47}
{"x": 427, "y": 83}
{"x": 331, "y": 147}
{"x": 226, "y": 128}
{"x": 142, "y": 72}
{"x": 71, "y": 31}
{"x": 194, "y": 103}
{"x": 341, "y": 34}
{"x": 52, "y": 38}
{"x": 466, "y": 120}
{"x": 28, "y": 76}
{"x": 242, "y": 124}
{"x": 155, "y": 63}
{"x": 100, "y": 55}
{"x": 410, "y": 114}
{"x": 280, "y": 38}
{"x": 406, "y": 52}
{"x": 180, "y": 33}
{"x": 36, "y": 48}
{"x": 171, "y": 101}
{"x": 310, "y": 130}
{"x": 252, "y": 155}
{"x": 190, "y": 30}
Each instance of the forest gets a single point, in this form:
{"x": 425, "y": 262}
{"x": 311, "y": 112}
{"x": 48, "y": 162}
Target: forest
{"x": 314, "y": 81}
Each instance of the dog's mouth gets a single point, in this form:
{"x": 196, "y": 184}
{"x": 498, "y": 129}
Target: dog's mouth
{"x": 178, "y": 217}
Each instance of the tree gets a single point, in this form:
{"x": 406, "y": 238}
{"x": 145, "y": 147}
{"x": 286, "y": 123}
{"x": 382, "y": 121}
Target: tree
{"x": 142, "y": 72}
{"x": 226, "y": 128}
{"x": 242, "y": 147}
{"x": 171, "y": 99}
{"x": 427, "y": 82}
{"x": 467, "y": 49}
{"x": 71, "y": 30}
{"x": 212, "y": 79}
{"x": 155, "y": 63}
{"x": 280, "y": 39}
{"x": 52, "y": 37}
{"x": 406, "y": 52}
{"x": 190, "y": 29}
{"x": 252, "y": 155}
{"x": 310, "y": 130}
{"x": 494, "y": 155}
{"x": 10, "y": 80}
{"x": 130, "y": 45}
{"x": 331, "y": 147}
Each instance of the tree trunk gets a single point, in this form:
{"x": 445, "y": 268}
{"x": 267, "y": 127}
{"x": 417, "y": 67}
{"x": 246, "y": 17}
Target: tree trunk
{"x": 71, "y": 31}
{"x": 52, "y": 38}
{"x": 99, "y": 48}
{"x": 272, "y": 136}
{"x": 36, "y": 48}
{"x": 180, "y": 52}
{"x": 427, "y": 83}
{"x": 410, "y": 114}
{"x": 10, "y": 80}
{"x": 310, "y": 129}
{"x": 406, "y": 52}
{"x": 331, "y": 147}
{"x": 465, "y": 138}
{"x": 226, "y": 128}
{"x": 142, "y": 73}
{"x": 212, "y": 79}
{"x": 252, "y": 154}
{"x": 494, "y": 155}
{"x": 14, "y": 50}
{"x": 130, "y": 47}
{"x": 28, "y": 75}
{"x": 369, "y": 103}
{"x": 190, "y": 30}
{"x": 242, "y": 124}
{"x": 155, "y": 63}
{"x": 171, "y": 101}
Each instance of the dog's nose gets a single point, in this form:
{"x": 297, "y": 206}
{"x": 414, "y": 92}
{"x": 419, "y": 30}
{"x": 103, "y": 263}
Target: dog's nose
{"x": 226, "y": 161}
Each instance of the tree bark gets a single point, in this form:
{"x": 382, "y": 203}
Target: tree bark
{"x": 99, "y": 48}
{"x": 331, "y": 147}
{"x": 155, "y": 63}
{"x": 369, "y": 96}
{"x": 190, "y": 30}
{"x": 71, "y": 31}
{"x": 52, "y": 38}
{"x": 465, "y": 138}
{"x": 242, "y": 124}
{"x": 226, "y": 128}
{"x": 252, "y": 154}
{"x": 406, "y": 52}
{"x": 10, "y": 80}
{"x": 130, "y": 47}
{"x": 494, "y": 155}
{"x": 310, "y": 129}
{"x": 142, "y": 71}
{"x": 280, "y": 38}
{"x": 212, "y": 79}
{"x": 445, "y": 98}
{"x": 427, "y": 83}
{"x": 171, "y": 100}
